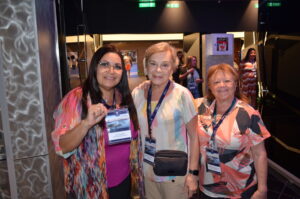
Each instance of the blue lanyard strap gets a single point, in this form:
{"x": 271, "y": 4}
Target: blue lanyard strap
{"x": 216, "y": 126}
{"x": 150, "y": 116}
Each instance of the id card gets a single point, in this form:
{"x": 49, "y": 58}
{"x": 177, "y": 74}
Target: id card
{"x": 192, "y": 86}
{"x": 118, "y": 126}
{"x": 150, "y": 149}
{"x": 213, "y": 161}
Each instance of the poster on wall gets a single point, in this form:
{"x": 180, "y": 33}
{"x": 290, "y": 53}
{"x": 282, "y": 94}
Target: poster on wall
{"x": 222, "y": 44}
{"x": 130, "y": 59}
{"x": 73, "y": 64}
{"x": 73, "y": 68}
{"x": 130, "y": 53}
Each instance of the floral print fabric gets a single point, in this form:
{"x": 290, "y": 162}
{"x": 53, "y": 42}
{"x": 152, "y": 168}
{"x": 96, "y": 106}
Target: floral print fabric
{"x": 85, "y": 167}
{"x": 241, "y": 129}
{"x": 168, "y": 127}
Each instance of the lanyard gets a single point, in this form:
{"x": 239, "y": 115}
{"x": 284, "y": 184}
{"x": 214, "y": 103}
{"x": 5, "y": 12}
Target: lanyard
{"x": 216, "y": 126}
{"x": 192, "y": 77}
{"x": 150, "y": 116}
{"x": 113, "y": 106}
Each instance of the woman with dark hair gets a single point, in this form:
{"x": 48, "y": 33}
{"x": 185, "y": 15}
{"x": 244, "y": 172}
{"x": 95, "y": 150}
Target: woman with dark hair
{"x": 233, "y": 161}
{"x": 248, "y": 76}
{"x": 100, "y": 161}
{"x": 177, "y": 70}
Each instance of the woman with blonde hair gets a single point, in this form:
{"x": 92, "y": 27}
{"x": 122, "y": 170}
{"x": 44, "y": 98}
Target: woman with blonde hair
{"x": 192, "y": 76}
{"x": 231, "y": 135}
{"x": 168, "y": 121}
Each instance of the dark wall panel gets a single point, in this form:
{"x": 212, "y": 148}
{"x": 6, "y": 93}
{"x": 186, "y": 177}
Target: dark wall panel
{"x": 281, "y": 109}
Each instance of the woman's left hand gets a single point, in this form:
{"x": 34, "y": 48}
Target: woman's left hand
{"x": 259, "y": 195}
{"x": 191, "y": 184}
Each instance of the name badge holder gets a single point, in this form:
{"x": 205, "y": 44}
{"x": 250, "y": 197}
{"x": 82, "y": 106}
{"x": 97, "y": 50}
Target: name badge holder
{"x": 150, "y": 150}
{"x": 150, "y": 142}
{"x": 212, "y": 154}
{"x": 118, "y": 126}
{"x": 192, "y": 84}
{"x": 213, "y": 160}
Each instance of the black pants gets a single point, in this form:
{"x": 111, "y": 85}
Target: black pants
{"x": 122, "y": 191}
{"x": 245, "y": 195}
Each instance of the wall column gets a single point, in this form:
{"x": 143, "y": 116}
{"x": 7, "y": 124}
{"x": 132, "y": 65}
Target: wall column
{"x": 30, "y": 90}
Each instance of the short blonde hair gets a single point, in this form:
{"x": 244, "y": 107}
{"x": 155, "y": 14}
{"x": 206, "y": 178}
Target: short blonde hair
{"x": 162, "y": 47}
{"x": 226, "y": 68}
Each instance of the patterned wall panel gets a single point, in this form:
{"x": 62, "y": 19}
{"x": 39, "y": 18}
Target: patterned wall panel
{"x": 25, "y": 122}
{"x": 20, "y": 59}
{"x": 1, "y": 125}
{"x": 4, "y": 183}
{"x": 32, "y": 178}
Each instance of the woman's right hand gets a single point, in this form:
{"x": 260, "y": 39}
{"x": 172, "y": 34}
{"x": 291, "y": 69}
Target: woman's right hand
{"x": 73, "y": 138}
{"x": 96, "y": 112}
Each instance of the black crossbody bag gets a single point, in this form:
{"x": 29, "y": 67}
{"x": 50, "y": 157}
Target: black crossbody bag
{"x": 170, "y": 163}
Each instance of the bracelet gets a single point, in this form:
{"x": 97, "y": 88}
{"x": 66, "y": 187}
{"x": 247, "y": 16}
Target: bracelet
{"x": 194, "y": 172}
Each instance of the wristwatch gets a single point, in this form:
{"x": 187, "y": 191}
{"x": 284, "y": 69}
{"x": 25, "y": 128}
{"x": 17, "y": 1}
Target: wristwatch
{"x": 194, "y": 172}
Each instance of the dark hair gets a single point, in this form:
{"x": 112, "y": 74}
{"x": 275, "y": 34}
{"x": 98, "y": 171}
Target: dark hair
{"x": 226, "y": 68}
{"x": 180, "y": 58}
{"x": 91, "y": 86}
{"x": 248, "y": 55}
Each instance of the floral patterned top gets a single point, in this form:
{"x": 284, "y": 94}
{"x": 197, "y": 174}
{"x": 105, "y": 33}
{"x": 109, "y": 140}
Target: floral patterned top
{"x": 80, "y": 180}
{"x": 241, "y": 129}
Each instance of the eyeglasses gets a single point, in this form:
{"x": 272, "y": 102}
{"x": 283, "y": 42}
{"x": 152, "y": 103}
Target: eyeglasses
{"x": 106, "y": 66}
{"x": 164, "y": 66}
{"x": 226, "y": 82}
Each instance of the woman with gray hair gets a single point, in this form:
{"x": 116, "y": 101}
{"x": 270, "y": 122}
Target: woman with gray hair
{"x": 168, "y": 121}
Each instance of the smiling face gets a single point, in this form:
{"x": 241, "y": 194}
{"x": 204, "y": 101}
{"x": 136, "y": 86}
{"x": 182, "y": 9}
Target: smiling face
{"x": 222, "y": 86}
{"x": 160, "y": 68}
{"x": 109, "y": 77}
{"x": 252, "y": 55}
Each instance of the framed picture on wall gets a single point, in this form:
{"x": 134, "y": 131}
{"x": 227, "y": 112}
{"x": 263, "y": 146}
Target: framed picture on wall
{"x": 222, "y": 44}
{"x": 73, "y": 64}
{"x": 131, "y": 53}
{"x": 130, "y": 60}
